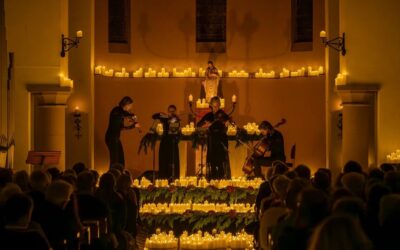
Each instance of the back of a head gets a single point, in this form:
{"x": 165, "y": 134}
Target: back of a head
{"x": 279, "y": 168}
{"x": 355, "y": 183}
{"x": 280, "y": 185}
{"x": 5, "y": 176}
{"x": 392, "y": 180}
{"x": 386, "y": 167}
{"x": 115, "y": 172}
{"x": 39, "y": 181}
{"x": 118, "y": 166}
{"x": 389, "y": 210}
{"x": 58, "y": 193}
{"x": 303, "y": 171}
{"x": 352, "y": 166}
{"x": 296, "y": 186}
{"x": 351, "y": 206}
{"x": 54, "y": 173}
{"x": 375, "y": 173}
{"x": 85, "y": 182}
{"x": 9, "y": 190}
{"x": 16, "y": 207}
{"x": 79, "y": 167}
{"x": 107, "y": 182}
{"x": 21, "y": 178}
{"x": 321, "y": 180}
{"x": 375, "y": 194}
{"x": 124, "y": 182}
{"x": 334, "y": 233}
{"x": 313, "y": 206}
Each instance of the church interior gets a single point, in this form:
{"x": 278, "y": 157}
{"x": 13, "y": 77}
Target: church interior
{"x": 199, "y": 124}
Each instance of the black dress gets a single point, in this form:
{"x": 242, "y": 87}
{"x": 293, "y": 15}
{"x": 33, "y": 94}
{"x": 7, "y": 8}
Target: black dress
{"x": 115, "y": 125}
{"x": 217, "y": 145}
{"x": 168, "y": 154}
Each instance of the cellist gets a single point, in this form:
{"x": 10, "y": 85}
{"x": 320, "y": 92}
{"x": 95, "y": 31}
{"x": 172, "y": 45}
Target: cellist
{"x": 273, "y": 142}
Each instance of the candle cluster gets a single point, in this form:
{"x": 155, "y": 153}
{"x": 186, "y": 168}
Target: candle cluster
{"x": 161, "y": 241}
{"x": 150, "y": 73}
{"x": 261, "y": 74}
{"x": 202, "y": 72}
{"x": 235, "y": 73}
{"x": 317, "y": 72}
{"x": 299, "y": 72}
{"x": 240, "y": 182}
{"x": 188, "y": 129}
{"x": 185, "y": 73}
{"x": 102, "y": 70}
{"x": 163, "y": 73}
{"x": 252, "y": 128}
{"x": 232, "y": 130}
{"x": 138, "y": 73}
{"x": 394, "y": 156}
{"x": 180, "y": 208}
{"x": 123, "y": 73}
{"x": 340, "y": 79}
{"x": 216, "y": 240}
{"x": 65, "y": 81}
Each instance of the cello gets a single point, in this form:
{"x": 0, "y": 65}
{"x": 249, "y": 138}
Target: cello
{"x": 257, "y": 150}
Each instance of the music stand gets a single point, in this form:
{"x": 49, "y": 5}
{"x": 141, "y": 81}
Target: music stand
{"x": 43, "y": 158}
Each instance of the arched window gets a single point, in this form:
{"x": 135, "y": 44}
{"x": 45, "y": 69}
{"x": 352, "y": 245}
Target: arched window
{"x": 119, "y": 23}
{"x": 211, "y": 25}
{"x": 302, "y": 25}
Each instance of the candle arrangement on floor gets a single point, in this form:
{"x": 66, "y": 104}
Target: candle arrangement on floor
{"x": 252, "y": 128}
{"x": 188, "y": 129}
{"x": 200, "y": 240}
{"x": 153, "y": 208}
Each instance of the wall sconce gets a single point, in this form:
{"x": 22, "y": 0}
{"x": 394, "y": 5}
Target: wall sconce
{"x": 77, "y": 122}
{"x": 69, "y": 43}
{"x": 337, "y": 43}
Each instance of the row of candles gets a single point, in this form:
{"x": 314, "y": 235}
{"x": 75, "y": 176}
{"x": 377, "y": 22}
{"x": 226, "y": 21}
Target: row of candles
{"x": 341, "y": 79}
{"x": 65, "y": 81}
{"x": 203, "y": 104}
{"x": 220, "y": 240}
{"x": 189, "y": 72}
{"x": 240, "y": 182}
{"x": 394, "y": 156}
{"x": 180, "y": 208}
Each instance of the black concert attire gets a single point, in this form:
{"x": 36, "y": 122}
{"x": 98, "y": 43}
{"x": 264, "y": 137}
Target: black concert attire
{"x": 168, "y": 154}
{"x": 115, "y": 125}
{"x": 276, "y": 146}
{"x": 217, "y": 145}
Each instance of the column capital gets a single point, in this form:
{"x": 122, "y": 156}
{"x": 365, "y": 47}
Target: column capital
{"x": 50, "y": 94}
{"x": 357, "y": 94}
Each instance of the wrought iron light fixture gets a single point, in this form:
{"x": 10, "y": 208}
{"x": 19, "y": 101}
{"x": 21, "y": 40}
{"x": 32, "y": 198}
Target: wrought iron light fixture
{"x": 337, "y": 43}
{"x": 69, "y": 43}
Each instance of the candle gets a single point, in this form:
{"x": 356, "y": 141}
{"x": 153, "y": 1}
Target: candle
{"x": 79, "y": 34}
{"x": 234, "y": 98}
{"x": 321, "y": 70}
{"x": 322, "y": 34}
{"x": 190, "y": 98}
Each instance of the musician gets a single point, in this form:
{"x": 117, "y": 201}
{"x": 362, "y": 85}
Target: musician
{"x": 169, "y": 152}
{"x": 119, "y": 116}
{"x": 217, "y": 141}
{"x": 275, "y": 145}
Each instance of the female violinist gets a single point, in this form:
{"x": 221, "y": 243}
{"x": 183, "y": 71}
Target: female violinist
{"x": 120, "y": 118}
{"x": 217, "y": 141}
{"x": 271, "y": 142}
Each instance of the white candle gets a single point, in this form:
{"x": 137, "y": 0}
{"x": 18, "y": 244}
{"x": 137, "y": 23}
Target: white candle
{"x": 79, "y": 34}
{"x": 190, "y": 98}
{"x": 322, "y": 34}
{"x": 234, "y": 98}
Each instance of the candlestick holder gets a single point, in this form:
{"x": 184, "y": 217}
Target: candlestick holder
{"x": 68, "y": 43}
{"x": 77, "y": 123}
{"x": 337, "y": 43}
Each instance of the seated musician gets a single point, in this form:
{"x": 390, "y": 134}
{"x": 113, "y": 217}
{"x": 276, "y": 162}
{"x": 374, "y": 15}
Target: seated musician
{"x": 217, "y": 141}
{"x": 273, "y": 140}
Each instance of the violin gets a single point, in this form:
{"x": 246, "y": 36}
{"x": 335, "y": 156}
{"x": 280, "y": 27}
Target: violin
{"x": 258, "y": 150}
{"x": 220, "y": 117}
{"x": 130, "y": 120}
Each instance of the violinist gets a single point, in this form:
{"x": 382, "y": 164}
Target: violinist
{"x": 217, "y": 141}
{"x": 168, "y": 152}
{"x": 272, "y": 141}
{"x": 120, "y": 118}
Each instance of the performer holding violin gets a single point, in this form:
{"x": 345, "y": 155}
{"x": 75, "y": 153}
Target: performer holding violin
{"x": 272, "y": 142}
{"x": 120, "y": 118}
{"x": 169, "y": 152}
{"x": 217, "y": 141}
